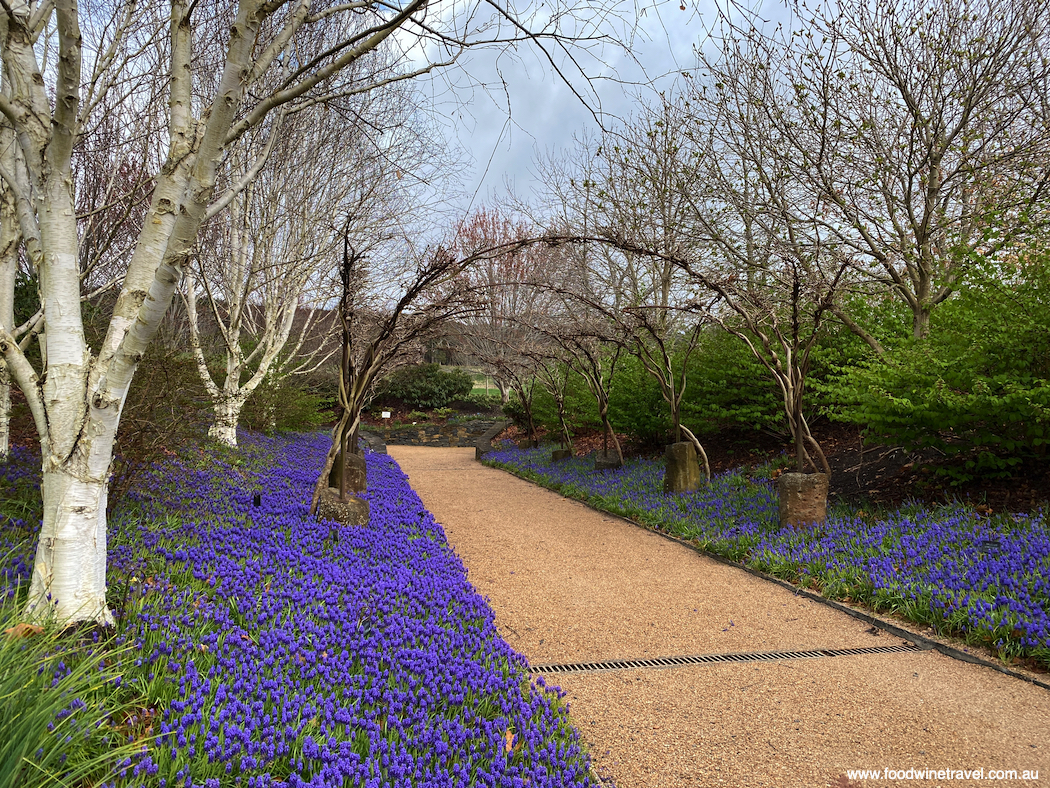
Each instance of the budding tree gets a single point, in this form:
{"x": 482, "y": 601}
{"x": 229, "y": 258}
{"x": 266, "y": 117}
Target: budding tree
{"x": 494, "y": 335}
{"x": 765, "y": 266}
{"x": 626, "y": 186}
{"x": 208, "y": 75}
{"x": 924, "y": 126}
{"x": 387, "y": 313}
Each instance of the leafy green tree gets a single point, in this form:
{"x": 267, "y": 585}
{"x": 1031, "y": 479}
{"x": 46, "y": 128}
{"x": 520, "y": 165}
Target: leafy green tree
{"x": 729, "y": 387}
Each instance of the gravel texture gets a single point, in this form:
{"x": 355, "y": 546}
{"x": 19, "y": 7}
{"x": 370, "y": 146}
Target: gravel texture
{"x": 570, "y": 584}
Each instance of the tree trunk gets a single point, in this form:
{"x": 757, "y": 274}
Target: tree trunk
{"x": 563, "y": 422}
{"x": 10, "y": 239}
{"x": 227, "y": 415}
{"x": 800, "y": 443}
{"x": 607, "y": 433}
{"x": 344, "y": 424}
{"x": 347, "y": 444}
{"x": 920, "y": 326}
{"x": 5, "y": 413}
{"x": 69, "y": 572}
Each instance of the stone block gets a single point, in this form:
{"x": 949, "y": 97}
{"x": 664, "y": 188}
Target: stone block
{"x": 606, "y": 462}
{"x": 356, "y": 473}
{"x": 803, "y": 498}
{"x": 527, "y": 443}
{"x": 560, "y": 455}
{"x": 352, "y": 511}
{"x": 681, "y": 468}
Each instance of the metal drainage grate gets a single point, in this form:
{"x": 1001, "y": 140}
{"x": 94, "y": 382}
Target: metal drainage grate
{"x": 705, "y": 659}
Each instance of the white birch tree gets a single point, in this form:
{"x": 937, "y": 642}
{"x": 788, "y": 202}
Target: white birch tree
{"x": 10, "y": 241}
{"x": 210, "y": 74}
{"x": 264, "y": 267}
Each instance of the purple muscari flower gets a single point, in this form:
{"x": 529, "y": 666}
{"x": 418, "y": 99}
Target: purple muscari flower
{"x": 297, "y": 652}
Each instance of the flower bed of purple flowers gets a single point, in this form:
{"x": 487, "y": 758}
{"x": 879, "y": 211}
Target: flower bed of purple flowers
{"x": 277, "y": 650}
{"x": 985, "y": 579}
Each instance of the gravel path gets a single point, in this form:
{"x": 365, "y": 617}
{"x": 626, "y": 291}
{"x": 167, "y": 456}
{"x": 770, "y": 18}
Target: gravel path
{"x": 569, "y": 584}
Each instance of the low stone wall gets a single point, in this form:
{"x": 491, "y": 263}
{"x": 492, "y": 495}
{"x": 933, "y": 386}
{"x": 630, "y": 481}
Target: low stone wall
{"x": 465, "y": 433}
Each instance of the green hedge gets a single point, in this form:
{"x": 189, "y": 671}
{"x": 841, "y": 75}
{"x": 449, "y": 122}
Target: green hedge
{"x": 427, "y": 386}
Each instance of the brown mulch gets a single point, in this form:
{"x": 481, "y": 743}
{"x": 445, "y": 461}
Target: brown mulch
{"x": 399, "y": 414}
{"x": 888, "y": 476}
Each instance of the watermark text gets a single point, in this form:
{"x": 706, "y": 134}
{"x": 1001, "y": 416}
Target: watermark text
{"x": 993, "y": 775}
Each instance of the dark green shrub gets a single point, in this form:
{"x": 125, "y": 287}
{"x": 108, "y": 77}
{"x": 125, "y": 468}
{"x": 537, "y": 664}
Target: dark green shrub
{"x": 636, "y": 406}
{"x": 481, "y": 402}
{"x": 514, "y": 410}
{"x": 581, "y": 409}
{"x": 427, "y": 386}
{"x": 728, "y": 387}
{"x": 975, "y": 390}
{"x": 287, "y": 404}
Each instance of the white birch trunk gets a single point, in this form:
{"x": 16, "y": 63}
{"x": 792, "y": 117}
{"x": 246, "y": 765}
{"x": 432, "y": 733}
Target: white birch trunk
{"x": 8, "y": 269}
{"x": 5, "y": 413}
{"x": 69, "y": 573}
{"x": 75, "y": 399}
{"x": 81, "y": 400}
{"x": 10, "y": 238}
{"x": 227, "y": 416}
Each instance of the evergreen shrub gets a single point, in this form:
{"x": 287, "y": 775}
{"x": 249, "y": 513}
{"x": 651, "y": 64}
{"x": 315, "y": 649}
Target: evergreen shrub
{"x": 975, "y": 390}
{"x": 427, "y": 386}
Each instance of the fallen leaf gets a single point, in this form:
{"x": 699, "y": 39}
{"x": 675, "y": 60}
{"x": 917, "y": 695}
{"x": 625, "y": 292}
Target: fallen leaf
{"x": 509, "y": 736}
{"x": 23, "y": 630}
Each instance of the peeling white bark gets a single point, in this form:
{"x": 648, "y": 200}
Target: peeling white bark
{"x": 9, "y": 240}
{"x": 227, "y": 416}
{"x": 69, "y": 573}
{"x": 5, "y": 413}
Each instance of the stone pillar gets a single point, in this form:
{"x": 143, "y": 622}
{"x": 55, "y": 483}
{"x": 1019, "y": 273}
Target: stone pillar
{"x": 682, "y": 469}
{"x": 560, "y": 455}
{"x": 803, "y": 498}
{"x": 606, "y": 462}
{"x": 356, "y": 474}
{"x": 527, "y": 443}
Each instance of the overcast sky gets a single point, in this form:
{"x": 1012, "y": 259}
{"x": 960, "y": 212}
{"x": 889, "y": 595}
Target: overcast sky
{"x": 504, "y": 130}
